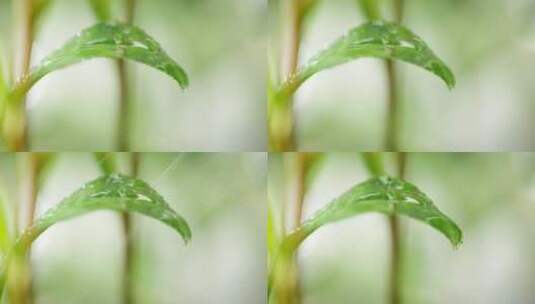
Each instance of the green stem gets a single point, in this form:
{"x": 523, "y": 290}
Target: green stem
{"x": 300, "y": 163}
{"x": 20, "y": 282}
{"x": 282, "y": 116}
{"x": 123, "y": 144}
{"x": 27, "y": 57}
{"x": 16, "y": 116}
{"x": 392, "y": 144}
{"x": 395, "y": 280}
{"x": 127, "y": 221}
{"x": 124, "y": 108}
{"x": 392, "y": 124}
{"x": 125, "y": 111}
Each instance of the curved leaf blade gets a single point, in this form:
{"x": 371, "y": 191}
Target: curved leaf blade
{"x": 387, "y": 195}
{"x": 108, "y": 40}
{"x": 377, "y": 39}
{"x": 111, "y": 192}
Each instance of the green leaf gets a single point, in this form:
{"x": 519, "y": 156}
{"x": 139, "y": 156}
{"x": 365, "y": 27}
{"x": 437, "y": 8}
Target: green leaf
{"x": 111, "y": 192}
{"x": 101, "y": 9}
{"x": 370, "y": 9}
{"x": 377, "y": 39}
{"x": 109, "y": 40}
{"x": 386, "y": 195}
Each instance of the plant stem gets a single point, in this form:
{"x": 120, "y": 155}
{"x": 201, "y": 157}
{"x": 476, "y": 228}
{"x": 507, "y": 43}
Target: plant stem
{"x": 282, "y": 116}
{"x": 124, "y": 108}
{"x": 20, "y": 286}
{"x": 127, "y": 284}
{"x": 33, "y": 189}
{"x": 395, "y": 283}
{"x": 392, "y": 144}
{"x": 127, "y": 221}
{"x": 300, "y": 167}
{"x": 393, "y": 108}
{"x": 33, "y": 186}
{"x": 301, "y": 171}
{"x": 123, "y": 127}
{"x": 26, "y": 61}
{"x": 392, "y": 123}
{"x": 123, "y": 144}
{"x": 16, "y": 124}
{"x": 288, "y": 284}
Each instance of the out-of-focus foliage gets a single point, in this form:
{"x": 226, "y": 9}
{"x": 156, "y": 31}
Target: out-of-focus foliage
{"x": 39, "y": 9}
{"x": 5, "y": 240}
{"x": 106, "y": 162}
{"x": 102, "y": 9}
{"x": 370, "y": 9}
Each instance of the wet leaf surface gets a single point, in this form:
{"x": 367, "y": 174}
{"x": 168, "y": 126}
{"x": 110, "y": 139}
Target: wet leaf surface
{"x": 387, "y": 195}
{"x": 109, "y": 40}
{"x": 112, "y": 192}
{"x": 377, "y": 39}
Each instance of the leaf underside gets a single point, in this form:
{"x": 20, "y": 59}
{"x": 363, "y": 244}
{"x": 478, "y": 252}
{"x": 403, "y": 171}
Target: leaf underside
{"x": 111, "y": 192}
{"x": 386, "y": 195}
{"x": 377, "y": 39}
{"x": 110, "y": 40}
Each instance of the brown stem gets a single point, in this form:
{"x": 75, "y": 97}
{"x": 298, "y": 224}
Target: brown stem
{"x": 395, "y": 280}
{"x": 123, "y": 144}
{"x": 127, "y": 284}
{"x": 33, "y": 186}
{"x": 16, "y": 124}
{"x": 295, "y": 31}
{"x": 392, "y": 144}
{"x": 399, "y": 6}
{"x": 300, "y": 167}
{"x": 125, "y": 109}
{"x": 20, "y": 286}
{"x": 26, "y": 61}
{"x": 282, "y": 117}
{"x": 392, "y": 125}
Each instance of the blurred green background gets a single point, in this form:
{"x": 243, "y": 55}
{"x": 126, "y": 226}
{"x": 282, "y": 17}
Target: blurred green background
{"x": 490, "y": 46}
{"x": 220, "y": 43}
{"x": 222, "y": 196}
{"x": 491, "y": 196}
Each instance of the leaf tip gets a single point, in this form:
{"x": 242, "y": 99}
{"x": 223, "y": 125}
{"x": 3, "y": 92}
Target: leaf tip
{"x": 450, "y": 80}
{"x": 184, "y": 230}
